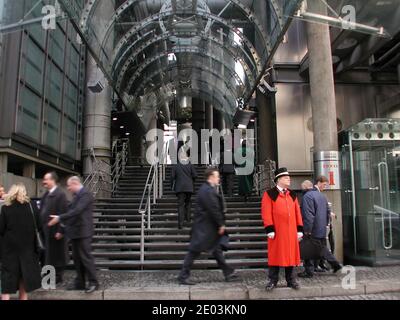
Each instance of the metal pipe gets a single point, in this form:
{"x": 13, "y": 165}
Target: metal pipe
{"x": 353, "y": 193}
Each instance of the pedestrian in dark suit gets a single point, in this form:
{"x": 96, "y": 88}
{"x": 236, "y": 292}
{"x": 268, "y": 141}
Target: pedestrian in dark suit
{"x": 208, "y": 227}
{"x": 183, "y": 176}
{"x": 227, "y": 169}
{"x": 20, "y": 270}
{"x": 316, "y": 217}
{"x": 78, "y": 222}
{"x": 54, "y": 201}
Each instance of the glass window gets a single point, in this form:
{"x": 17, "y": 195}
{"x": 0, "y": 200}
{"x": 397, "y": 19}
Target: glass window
{"x": 52, "y": 127}
{"x": 69, "y": 137}
{"x": 33, "y": 10}
{"x": 32, "y": 65}
{"x": 71, "y": 100}
{"x": 57, "y": 46}
{"x": 54, "y": 82}
{"x": 73, "y": 63}
{"x": 29, "y": 114}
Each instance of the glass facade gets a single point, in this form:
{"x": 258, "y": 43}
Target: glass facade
{"x": 50, "y": 85}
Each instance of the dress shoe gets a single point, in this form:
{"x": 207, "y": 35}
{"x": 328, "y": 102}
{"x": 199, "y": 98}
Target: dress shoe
{"x": 186, "y": 282}
{"x": 74, "y": 287}
{"x": 270, "y": 286}
{"x": 305, "y": 275}
{"x": 323, "y": 266}
{"x": 336, "y": 268}
{"x": 294, "y": 285}
{"x": 92, "y": 288}
{"x": 232, "y": 277}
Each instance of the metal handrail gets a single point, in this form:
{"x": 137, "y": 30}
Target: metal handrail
{"x": 105, "y": 177}
{"x": 153, "y": 189}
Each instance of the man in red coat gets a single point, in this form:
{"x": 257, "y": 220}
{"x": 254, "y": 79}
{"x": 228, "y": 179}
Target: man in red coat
{"x": 284, "y": 227}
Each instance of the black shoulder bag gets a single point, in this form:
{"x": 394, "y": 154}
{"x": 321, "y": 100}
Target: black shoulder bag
{"x": 39, "y": 242}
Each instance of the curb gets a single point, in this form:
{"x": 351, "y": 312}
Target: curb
{"x": 236, "y": 292}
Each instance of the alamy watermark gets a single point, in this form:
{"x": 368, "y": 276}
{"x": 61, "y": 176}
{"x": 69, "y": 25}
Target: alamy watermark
{"x": 349, "y": 280}
{"x": 48, "y": 277}
{"x": 237, "y": 148}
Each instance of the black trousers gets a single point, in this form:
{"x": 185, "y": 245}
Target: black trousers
{"x": 192, "y": 256}
{"x": 273, "y": 274}
{"x": 184, "y": 207}
{"x": 327, "y": 255}
{"x": 228, "y": 183}
{"x": 84, "y": 261}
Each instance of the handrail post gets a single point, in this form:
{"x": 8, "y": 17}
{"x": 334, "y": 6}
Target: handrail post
{"x": 142, "y": 239}
{"x": 149, "y": 211}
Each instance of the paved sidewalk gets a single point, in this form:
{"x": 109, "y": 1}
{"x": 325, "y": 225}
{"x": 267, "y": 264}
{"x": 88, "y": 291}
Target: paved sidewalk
{"x": 162, "y": 285}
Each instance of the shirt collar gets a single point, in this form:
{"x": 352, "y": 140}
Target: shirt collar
{"x": 316, "y": 187}
{"x": 52, "y": 189}
{"x": 280, "y": 188}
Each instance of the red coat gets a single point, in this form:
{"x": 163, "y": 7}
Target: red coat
{"x": 281, "y": 214}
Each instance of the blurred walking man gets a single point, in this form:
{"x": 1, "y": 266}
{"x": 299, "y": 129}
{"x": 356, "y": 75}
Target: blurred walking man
{"x": 208, "y": 227}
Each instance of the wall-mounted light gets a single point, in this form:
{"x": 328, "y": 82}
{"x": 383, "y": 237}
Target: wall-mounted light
{"x": 121, "y": 127}
{"x": 115, "y": 119}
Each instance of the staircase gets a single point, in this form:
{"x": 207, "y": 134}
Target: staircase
{"x": 117, "y": 237}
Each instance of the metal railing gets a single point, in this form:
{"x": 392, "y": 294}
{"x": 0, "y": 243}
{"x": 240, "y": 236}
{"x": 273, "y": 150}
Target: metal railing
{"x": 264, "y": 177}
{"x": 105, "y": 176}
{"x": 153, "y": 190}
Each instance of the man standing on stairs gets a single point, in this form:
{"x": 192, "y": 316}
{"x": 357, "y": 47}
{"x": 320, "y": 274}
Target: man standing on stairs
{"x": 183, "y": 176}
{"x": 208, "y": 227}
{"x": 284, "y": 227}
{"x": 78, "y": 221}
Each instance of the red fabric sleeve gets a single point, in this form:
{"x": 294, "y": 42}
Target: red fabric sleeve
{"x": 266, "y": 210}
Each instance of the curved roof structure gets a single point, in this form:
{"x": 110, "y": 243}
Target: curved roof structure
{"x": 216, "y": 49}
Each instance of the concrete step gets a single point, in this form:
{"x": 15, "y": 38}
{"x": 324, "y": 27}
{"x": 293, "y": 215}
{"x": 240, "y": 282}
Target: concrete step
{"x": 177, "y": 264}
{"x": 173, "y": 245}
{"x": 112, "y": 216}
{"x": 174, "y": 223}
{"x": 184, "y": 231}
{"x": 175, "y": 237}
{"x": 172, "y": 255}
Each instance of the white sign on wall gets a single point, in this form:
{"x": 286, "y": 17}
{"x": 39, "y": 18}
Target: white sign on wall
{"x": 327, "y": 163}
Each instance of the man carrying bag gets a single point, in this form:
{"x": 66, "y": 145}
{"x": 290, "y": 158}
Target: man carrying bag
{"x": 316, "y": 219}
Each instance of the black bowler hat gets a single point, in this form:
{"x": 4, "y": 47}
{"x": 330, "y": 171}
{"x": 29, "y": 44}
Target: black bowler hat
{"x": 281, "y": 172}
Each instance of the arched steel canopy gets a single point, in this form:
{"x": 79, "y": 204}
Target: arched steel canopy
{"x": 203, "y": 43}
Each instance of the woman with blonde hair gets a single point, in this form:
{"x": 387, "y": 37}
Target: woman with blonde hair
{"x": 19, "y": 220}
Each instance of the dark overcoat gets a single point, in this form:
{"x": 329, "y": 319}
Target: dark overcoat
{"x": 54, "y": 203}
{"x": 208, "y": 218}
{"x": 78, "y": 220}
{"x": 183, "y": 177}
{"x": 316, "y": 213}
{"x": 20, "y": 258}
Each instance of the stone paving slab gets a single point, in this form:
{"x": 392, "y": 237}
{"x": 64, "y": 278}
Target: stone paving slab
{"x": 147, "y": 293}
{"x": 163, "y": 285}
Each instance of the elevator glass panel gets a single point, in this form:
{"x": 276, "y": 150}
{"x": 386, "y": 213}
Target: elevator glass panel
{"x": 371, "y": 193}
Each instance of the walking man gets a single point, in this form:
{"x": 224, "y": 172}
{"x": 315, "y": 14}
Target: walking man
{"x": 208, "y": 227}
{"x": 183, "y": 176}
{"x": 316, "y": 216}
{"x": 54, "y": 200}
{"x": 78, "y": 221}
{"x": 284, "y": 227}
